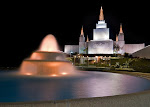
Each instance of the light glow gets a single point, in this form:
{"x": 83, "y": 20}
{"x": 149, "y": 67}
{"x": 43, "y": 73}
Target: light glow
{"x": 49, "y": 44}
{"x": 54, "y": 75}
{"x": 28, "y": 74}
{"x": 64, "y": 73}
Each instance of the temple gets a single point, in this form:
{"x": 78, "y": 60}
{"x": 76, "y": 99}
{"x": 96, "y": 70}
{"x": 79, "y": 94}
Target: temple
{"x": 101, "y": 43}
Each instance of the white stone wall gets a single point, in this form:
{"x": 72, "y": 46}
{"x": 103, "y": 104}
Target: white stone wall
{"x": 71, "y": 48}
{"x": 100, "y": 34}
{"x": 100, "y": 47}
{"x": 101, "y": 24}
{"x": 131, "y": 48}
{"x": 143, "y": 53}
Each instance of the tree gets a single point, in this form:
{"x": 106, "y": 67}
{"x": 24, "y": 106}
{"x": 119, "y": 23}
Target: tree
{"x": 86, "y": 50}
{"x": 116, "y": 48}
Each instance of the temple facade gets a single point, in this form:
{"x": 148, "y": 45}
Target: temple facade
{"x": 101, "y": 43}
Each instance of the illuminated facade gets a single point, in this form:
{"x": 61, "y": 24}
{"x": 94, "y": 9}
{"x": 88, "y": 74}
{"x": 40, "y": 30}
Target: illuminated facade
{"x": 122, "y": 47}
{"x": 101, "y": 32}
{"x": 101, "y": 43}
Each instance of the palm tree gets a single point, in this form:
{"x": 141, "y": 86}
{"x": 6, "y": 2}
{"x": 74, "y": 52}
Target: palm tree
{"x": 86, "y": 50}
{"x": 116, "y": 48}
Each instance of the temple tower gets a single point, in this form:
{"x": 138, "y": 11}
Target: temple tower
{"x": 101, "y": 32}
{"x": 120, "y": 41}
{"x": 82, "y": 44}
{"x": 82, "y": 38}
{"x": 121, "y": 34}
{"x": 101, "y": 44}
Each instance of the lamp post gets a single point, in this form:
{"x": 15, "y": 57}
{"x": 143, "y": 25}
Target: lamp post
{"x": 109, "y": 60}
{"x": 87, "y": 61}
{"x": 74, "y": 60}
{"x": 96, "y": 59}
{"x": 70, "y": 53}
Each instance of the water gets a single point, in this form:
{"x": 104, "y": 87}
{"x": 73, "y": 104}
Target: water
{"x": 51, "y": 68}
{"x": 49, "y": 44}
{"x": 48, "y": 60}
{"x": 21, "y": 88}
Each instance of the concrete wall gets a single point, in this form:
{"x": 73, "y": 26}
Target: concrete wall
{"x": 141, "y": 99}
{"x": 71, "y": 48}
{"x": 131, "y": 48}
{"x": 143, "y": 53}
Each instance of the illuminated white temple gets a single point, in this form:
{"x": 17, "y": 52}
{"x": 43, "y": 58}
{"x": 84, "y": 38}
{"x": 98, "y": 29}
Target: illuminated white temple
{"x": 101, "y": 43}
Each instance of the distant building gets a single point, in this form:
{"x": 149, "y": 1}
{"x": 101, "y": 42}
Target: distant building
{"x": 101, "y": 43}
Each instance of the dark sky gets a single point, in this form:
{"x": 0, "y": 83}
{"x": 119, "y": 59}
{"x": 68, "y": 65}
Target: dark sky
{"x": 24, "y": 24}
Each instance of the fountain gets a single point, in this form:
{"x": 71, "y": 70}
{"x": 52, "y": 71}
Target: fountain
{"x": 47, "y": 75}
{"x": 48, "y": 60}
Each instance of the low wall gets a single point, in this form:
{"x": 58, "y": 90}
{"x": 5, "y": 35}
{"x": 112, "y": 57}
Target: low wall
{"x": 131, "y": 48}
{"x": 141, "y": 99}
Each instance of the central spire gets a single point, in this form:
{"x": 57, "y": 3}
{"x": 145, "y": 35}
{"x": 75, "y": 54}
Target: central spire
{"x": 101, "y": 16}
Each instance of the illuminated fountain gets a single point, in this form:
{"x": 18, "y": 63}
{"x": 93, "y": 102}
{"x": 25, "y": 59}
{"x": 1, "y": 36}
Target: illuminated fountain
{"x": 48, "y": 60}
{"x": 60, "y": 81}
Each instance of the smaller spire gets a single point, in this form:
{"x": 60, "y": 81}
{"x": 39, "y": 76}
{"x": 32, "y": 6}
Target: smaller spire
{"x": 87, "y": 40}
{"x": 116, "y": 37}
{"x": 82, "y": 33}
{"x": 101, "y": 16}
{"x": 121, "y": 31}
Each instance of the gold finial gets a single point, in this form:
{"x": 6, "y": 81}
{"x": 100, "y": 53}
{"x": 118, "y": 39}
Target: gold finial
{"x": 116, "y": 37}
{"x": 101, "y": 16}
{"x": 82, "y": 33}
{"x": 87, "y": 40}
{"x": 121, "y": 31}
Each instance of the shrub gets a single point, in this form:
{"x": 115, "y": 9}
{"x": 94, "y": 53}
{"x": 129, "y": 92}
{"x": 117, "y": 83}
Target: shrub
{"x": 141, "y": 65}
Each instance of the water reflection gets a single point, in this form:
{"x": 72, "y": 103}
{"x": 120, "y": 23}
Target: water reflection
{"x": 87, "y": 84}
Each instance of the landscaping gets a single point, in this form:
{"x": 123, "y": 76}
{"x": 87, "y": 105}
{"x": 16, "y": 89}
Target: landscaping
{"x": 115, "y": 64}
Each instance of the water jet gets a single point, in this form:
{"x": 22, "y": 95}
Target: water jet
{"x": 47, "y": 60}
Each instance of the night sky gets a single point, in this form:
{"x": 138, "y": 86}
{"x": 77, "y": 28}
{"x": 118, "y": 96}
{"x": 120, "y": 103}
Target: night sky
{"x": 24, "y": 24}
